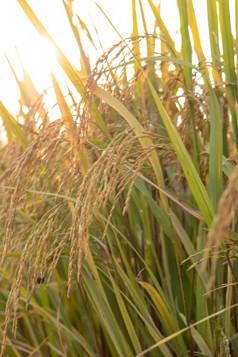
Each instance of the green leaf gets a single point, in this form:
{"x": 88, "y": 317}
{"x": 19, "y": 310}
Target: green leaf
{"x": 12, "y": 126}
{"x": 196, "y": 39}
{"x": 165, "y": 33}
{"x": 105, "y": 315}
{"x": 167, "y": 339}
{"x": 155, "y": 208}
{"x": 229, "y": 64}
{"x": 126, "y": 317}
{"x": 199, "y": 340}
{"x": 186, "y": 43}
{"x": 159, "y": 303}
{"x": 195, "y": 183}
{"x": 215, "y": 150}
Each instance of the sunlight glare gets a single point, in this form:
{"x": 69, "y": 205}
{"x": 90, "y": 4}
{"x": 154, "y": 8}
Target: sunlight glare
{"x": 40, "y": 60}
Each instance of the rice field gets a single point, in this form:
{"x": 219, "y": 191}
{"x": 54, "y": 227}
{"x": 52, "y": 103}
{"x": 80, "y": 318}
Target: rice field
{"x": 118, "y": 220}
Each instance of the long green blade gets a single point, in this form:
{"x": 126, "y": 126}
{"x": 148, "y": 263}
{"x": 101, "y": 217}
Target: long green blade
{"x": 195, "y": 183}
{"x": 216, "y": 150}
{"x": 12, "y": 126}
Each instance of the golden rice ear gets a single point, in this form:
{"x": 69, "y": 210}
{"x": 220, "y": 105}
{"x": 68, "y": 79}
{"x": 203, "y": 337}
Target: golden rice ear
{"x": 27, "y": 171}
{"x": 74, "y": 216}
{"x": 227, "y": 208}
{"x": 106, "y": 180}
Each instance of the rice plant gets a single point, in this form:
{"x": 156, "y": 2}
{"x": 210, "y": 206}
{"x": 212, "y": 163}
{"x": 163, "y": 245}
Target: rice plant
{"x": 119, "y": 219}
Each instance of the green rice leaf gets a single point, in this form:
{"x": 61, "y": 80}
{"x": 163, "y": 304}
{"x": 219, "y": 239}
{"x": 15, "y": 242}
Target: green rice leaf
{"x": 189, "y": 247}
{"x": 13, "y": 128}
{"x": 164, "y": 31}
{"x": 167, "y": 339}
{"x": 229, "y": 64}
{"x": 155, "y": 208}
{"x": 215, "y": 150}
{"x": 159, "y": 303}
{"x": 126, "y": 317}
{"x": 186, "y": 43}
{"x": 105, "y": 316}
{"x": 214, "y": 37}
{"x": 199, "y": 340}
{"x": 196, "y": 39}
{"x": 195, "y": 183}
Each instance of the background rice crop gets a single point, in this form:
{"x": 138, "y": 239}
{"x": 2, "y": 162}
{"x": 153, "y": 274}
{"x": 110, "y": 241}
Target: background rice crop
{"x": 119, "y": 218}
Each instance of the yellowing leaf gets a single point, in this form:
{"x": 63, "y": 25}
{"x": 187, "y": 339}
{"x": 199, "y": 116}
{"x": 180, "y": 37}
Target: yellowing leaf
{"x": 12, "y": 126}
